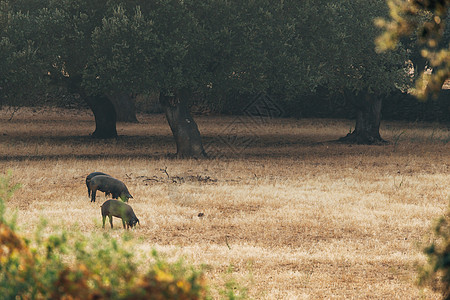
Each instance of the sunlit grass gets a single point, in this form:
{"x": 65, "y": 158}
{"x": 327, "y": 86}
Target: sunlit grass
{"x": 296, "y": 216}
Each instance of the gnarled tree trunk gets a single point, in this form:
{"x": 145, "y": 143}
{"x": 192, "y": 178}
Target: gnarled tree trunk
{"x": 101, "y": 106}
{"x": 105, "y": 117}
{"x": 368, "y": 119}
{"x": 184, "y": 129}
{"x": 124, "y": 106}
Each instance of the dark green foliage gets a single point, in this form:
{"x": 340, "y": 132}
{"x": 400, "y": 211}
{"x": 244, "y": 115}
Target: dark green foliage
{"x": 350, "y": 58}
{"x": 222, "y": 51}
{"x": 21, "y": 73}
{"x": 436, "y": 273}
{"x": 306, "y": 52}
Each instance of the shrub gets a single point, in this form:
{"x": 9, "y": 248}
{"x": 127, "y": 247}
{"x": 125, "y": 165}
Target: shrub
{"x": 436, "y": 272}
{"x": 72, "y": 266}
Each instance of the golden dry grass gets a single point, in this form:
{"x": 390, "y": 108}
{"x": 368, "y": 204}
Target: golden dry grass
{"x": 297, "y": 217}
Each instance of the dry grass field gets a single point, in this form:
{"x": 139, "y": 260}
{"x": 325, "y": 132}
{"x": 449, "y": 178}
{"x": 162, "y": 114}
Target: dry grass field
{"x": 296, "y": 216}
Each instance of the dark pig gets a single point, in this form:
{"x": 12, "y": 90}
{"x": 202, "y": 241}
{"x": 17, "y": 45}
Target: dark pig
{"x": 88, "y": 179}
{"x": 115, "y": 208}
{"x": 109, "y": 185}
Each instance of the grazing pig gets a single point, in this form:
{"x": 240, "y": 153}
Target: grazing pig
{"x": 115, "y": 208}
{"x": 109, "y": 185}
{"x": 88, "y": 179}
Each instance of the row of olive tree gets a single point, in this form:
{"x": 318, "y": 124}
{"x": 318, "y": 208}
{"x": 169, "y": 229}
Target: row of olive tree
{"x": 105, "y": 50}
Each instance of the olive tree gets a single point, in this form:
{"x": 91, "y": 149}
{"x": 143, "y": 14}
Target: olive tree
{"x": 58, "y": 34}
{"x": 151, "y": 49}
{"x": 352, "y": 67}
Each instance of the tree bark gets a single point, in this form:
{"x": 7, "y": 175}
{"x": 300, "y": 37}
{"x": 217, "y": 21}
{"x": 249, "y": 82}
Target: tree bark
{"x": 124, "y": 107}
{"x": 105, "y": 117}
{"x": 184, "y": 129}
{"x": 368, "y": 119}
{"x": 101, "y": 106}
